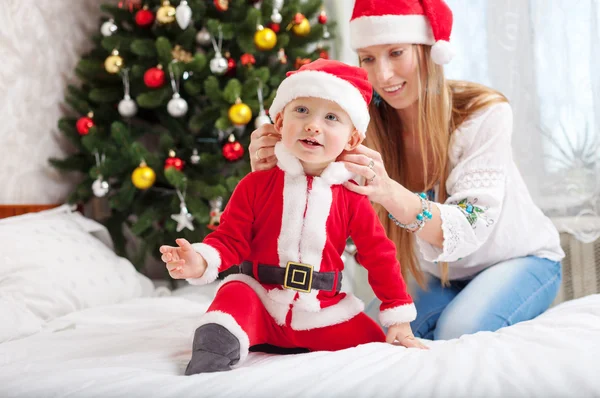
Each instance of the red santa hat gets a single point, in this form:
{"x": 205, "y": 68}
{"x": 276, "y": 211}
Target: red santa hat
{"x": 429, "y": 22}
{"x": 346, "y": 85}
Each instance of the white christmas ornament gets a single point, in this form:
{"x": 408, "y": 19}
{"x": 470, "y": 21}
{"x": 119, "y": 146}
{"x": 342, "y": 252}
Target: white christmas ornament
{"x": 195, "y": 158}
{"x": 177, "y": 106}
{"x": 183, "y": 14}
{"x": 108, "y": 28}
{"x": 203, "y": 37}
{"x": 100, "y": 187}
{"x": 261, "y": 119}
{"x": 276, "y": 16}
{"x": 127, "y": 107}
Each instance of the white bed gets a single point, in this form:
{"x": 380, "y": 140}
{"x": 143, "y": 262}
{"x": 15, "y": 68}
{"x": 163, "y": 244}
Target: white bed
{"x": 139, "y": 347}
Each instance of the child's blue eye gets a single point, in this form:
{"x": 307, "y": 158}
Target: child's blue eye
{"x": 366, "y": 60}
{"x": 301, "y": 109}
{"x": 331, "y": 116}
{"x": 397, "y": 53}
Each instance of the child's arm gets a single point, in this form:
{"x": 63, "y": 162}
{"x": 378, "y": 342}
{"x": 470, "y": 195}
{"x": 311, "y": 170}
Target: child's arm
{"x": 377, "y": 253}
{"x": 229, "y": 245}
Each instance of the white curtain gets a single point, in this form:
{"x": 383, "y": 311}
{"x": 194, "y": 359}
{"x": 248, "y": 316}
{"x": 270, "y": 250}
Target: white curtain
{"x": 544, "y": 55}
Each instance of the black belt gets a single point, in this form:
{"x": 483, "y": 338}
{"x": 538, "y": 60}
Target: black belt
{"x": 295, "y": 276}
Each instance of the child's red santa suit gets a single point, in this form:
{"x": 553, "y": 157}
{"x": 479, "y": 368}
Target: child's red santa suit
{"x": 289, "y": 230}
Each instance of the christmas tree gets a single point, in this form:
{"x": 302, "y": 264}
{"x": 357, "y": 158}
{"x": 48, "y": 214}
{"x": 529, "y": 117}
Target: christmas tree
{"x": 169, "y": 96}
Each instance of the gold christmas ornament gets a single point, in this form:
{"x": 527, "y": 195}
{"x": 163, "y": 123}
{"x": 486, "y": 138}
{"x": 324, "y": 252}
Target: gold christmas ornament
{"x": 302, "y": 28}
{"x": 166, "y": 13}
{"x": 143, "y": 177}
{"x": 265, "y": 38}
{"x": 181, "y": 55}
{"x": 240, "y": 114}
{"x": 113, "y": 62}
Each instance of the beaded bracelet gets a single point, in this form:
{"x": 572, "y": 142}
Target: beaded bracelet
{"x": 422, "y": 217}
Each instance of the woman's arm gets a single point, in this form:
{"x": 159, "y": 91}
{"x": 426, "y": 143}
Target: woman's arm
{"x": 401, "y": 203}
{"x": 476, "y": 188}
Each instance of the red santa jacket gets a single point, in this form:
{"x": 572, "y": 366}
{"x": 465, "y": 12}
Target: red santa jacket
{"x": 282, "y": 215}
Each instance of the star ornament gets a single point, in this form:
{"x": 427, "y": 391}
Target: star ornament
{"x": 184, "y": 219}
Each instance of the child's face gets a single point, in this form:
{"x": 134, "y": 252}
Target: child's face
{"x": 316, "y": 130}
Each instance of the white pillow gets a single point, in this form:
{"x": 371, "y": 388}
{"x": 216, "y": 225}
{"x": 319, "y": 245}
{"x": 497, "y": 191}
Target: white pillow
{"x": 56, "y": 262}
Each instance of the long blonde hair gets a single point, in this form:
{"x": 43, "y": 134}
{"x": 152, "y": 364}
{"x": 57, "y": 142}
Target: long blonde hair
{"x": 442, "y": 106}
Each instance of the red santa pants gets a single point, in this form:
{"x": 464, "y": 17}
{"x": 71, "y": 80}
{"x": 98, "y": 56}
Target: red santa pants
{"x": 243, "y": 304}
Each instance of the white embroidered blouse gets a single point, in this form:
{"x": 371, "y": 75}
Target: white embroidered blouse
{"x": 489, "y": 215}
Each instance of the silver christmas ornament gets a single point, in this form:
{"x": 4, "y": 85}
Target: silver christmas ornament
{"x": 203, "y": 37}
{"x": 184, "y": 218}
{"x": 218, "y": 65}
{"x": 100, "y": 187}
{"x": 177, "y": 106}
{"x": 108, "y": 28}
{"x": 183, "y": 14}
{"x": 195, "y": 158}
{"x": 127, "y": 107}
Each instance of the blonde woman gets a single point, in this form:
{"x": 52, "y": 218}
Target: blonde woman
{"x": 438, "y": 167}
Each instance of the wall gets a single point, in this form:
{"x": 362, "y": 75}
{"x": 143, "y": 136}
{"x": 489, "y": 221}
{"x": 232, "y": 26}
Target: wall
{"x": 41, "y": 42}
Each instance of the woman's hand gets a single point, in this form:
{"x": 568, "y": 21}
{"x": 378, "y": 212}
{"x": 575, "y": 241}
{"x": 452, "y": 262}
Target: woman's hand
{"x": 401, "y": 334}
{"x": 365, "y": 162}
{"x": 183, "y": 262}
{"x": 262, "y": 147}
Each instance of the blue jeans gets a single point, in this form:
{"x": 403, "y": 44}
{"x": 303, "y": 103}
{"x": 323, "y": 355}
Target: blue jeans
{"x": 502, "y": 295}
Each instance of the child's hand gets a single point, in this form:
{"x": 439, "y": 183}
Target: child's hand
{"x": 183, "y": 262}
{"x": 401, "y": 334}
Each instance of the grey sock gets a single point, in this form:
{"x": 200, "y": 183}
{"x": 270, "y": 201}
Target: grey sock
{"x": 215, "y": 349}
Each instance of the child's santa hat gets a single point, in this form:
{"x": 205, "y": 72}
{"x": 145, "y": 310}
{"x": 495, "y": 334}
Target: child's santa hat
{"x": 346, "y": 85}
{"x": 429, "y": 22}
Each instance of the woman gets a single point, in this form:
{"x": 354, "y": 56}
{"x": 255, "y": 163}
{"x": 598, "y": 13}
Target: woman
{"x": 484, "y": 256}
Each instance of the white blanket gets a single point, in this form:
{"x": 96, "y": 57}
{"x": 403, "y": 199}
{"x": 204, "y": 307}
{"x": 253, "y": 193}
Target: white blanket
{"x": 141, "y": 348}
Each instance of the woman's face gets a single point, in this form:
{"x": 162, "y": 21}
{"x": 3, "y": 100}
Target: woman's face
{"x": 392, "y": 70}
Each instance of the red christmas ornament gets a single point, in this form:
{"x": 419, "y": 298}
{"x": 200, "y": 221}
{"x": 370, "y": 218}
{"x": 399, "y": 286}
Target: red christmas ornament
{"x": 323, "y": 17}
{"x": 298, "y": 18}
{"x": 230, "y": 66}
{"x": 173, "y": 161}
{"x": 144, "y": 18}
{"x": 233, "y": 150}
{"x": 154, "y": 77}
{"x": 274, "y": 27}
{"x": 324, "y": 54}
{"x": 247, "y": 59}
{"x": 84, "y": 124}
{"x": 222, "y": 5}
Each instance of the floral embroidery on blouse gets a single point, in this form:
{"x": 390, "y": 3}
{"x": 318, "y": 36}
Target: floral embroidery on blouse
{"x": 473, "y": 212}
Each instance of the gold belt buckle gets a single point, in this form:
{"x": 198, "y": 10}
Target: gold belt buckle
{"x": 298, "y": 277}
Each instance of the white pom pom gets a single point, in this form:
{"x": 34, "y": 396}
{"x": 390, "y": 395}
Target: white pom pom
{"x": 442, "y": 52}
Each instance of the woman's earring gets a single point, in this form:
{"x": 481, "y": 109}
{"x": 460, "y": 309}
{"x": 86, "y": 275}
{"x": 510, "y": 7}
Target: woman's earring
{"x": 376, "y": 98}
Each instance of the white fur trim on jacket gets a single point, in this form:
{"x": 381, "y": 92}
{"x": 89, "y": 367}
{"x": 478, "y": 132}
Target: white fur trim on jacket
{"x": 390, "y": 29}
{"x": 401, "y": 314}
{"x": 229, "y": 323}
{"x": 213, "y": 259}
{"x": 327, "y": 86}
{"x": 346, "y": 309}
